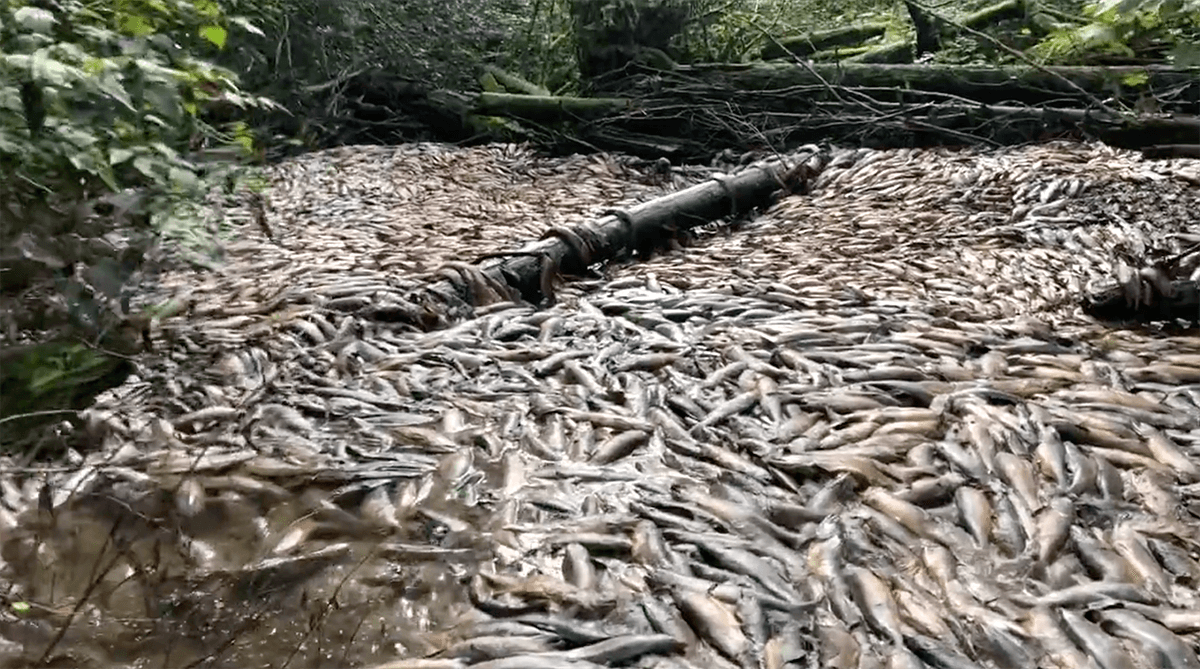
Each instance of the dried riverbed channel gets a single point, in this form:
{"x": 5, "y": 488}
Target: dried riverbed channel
{"x": 866, "y": 428}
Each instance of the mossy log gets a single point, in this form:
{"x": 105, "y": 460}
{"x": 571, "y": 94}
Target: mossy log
{"x": 987, "y": 85}
{"x": 804, "y": 45}
{"x": 548, "y": 108}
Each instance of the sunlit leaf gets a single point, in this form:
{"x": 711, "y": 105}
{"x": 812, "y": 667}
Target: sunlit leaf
{"x": 46, "y": 69}
{"x": 208, "y": 9}
{"x": 164, "y": 150}
{"x": 182, "y": 178}
{"x": 215, "y": 34}
{"x": 111, "y": 85}
{"x": 1135, "y": 79}
{"x": 244, "y": 23}
{"x": 156, "y": 120}
{"x": 34, "y": 19}
{"x": 135, "y": 25}
{"x": 144, "y": 165}
{"x": 118, "y": 156}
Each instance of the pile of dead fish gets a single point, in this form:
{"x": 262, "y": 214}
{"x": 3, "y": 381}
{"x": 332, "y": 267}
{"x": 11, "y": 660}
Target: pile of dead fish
{"x": 853, "y": 433}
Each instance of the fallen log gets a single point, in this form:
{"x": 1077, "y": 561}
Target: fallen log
{"x": 515, "y": 83}
{"x": 987, "y": 85}
{"x": 527, "y": 273}
{"x": 548, "y": 108}
{"x": 811, "y": 43}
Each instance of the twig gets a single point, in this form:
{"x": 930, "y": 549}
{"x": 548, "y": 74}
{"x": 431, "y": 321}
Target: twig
{"x": 97, "y": 577}
{"x": 34, "y": 414}
{"x": 328, "y": 605}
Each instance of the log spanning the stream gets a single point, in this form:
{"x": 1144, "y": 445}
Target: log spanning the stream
{"x": 527, "y": 273}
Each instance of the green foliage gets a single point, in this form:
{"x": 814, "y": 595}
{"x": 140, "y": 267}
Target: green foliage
{"x": 313, "y": 47}
{"x": 102, "y": 105}
{"x": 1125, "y": 28}
{"x": 542, "y": 47}
{"x": 103, "y": 96}
{"x": 47, "y": 383}
{"x": 723, "y": 31}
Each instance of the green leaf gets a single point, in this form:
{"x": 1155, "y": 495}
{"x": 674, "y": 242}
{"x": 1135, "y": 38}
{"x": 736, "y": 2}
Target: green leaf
{"x": 56, "y": 73}
{"x": 1186, "y": 55}
{"x": 146, "y": 166}
{"x": 183, "y": 178}
{"x": 244, "y": 23}
{"x": 118, "y": 156}
{"x": 215, "y": 34}
{"x": 34, "y": 19}
{"x": 1136, "y": 79}
{"x": 135, "y": 25}
{"x": 208, "y": 9}
{"x": 156, "y": 120}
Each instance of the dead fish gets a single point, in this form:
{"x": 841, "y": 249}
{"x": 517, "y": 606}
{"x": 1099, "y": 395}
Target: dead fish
{"x": 1167, "y": 649}
{"x": 937, "y": 654}
{"x": 739, "y": 403}
{"x": 1052, "y": 456}
{"x": 1083, "y": 594}
{"x": 190, "y": 498}
{"x": 622, "y": 649}
{"x": 1007, "y": 530}
{"x": 651, "y": 362}
{"x": 713, "y": 621}
{"x": 875, "y": 600}
{"x": 976, "y": 513}
{"x": 550, "y": 660}
{"x": 1084, "y": 471}
{"x": 1053, "y": 529}
{"x": 1100, "y": 562}
{"x": 419, "y": 663}
{"x": 783, "y": 649}
{"x": 838, "y": 649}
{"x": 480, "y": 648}
{"x": 378, "y": 509}
{"x": 932, "y": 491}
{"x": 1132, "y": 546}
{"x": 648, "y": 547}
{"x": 665, "y": 619}
{"x": 569, "y": 630}
{"x": 577, "y": 567}
{"x": 619, "y": 446}
{"x": 1167, "y": 453}
{"x": 1105, "y": 650}
{"x": 1019, "y": 474}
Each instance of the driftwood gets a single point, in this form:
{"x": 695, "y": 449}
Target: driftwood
{"x": 527, "y": 273}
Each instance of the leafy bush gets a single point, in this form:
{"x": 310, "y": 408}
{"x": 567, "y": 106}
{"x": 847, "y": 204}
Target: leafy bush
{"x": 1125, "y": 28}
{"x": 102, "y": 107}
{"x": 314, "y": 47}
